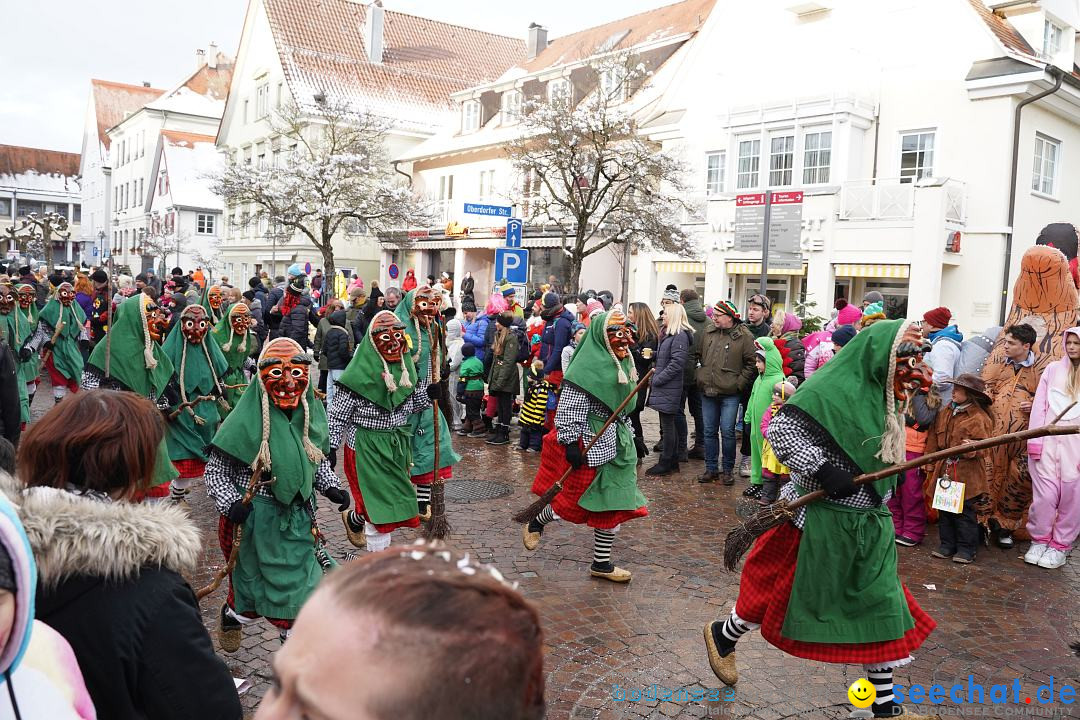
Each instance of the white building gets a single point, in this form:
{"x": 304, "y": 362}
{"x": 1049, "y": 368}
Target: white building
{"x": 184, "y": 214}
{"x": 40, "y": 181}
{"x": 397, "y": 66}
{"x": 194, "y": 106}
{"x": 109, "y": 103}
{"x": 901, "y": 143}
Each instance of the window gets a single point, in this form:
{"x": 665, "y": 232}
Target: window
{"x": 470, "y": 116}
{"x": 5, "y": 207}
{"x": 245, "y": 111}
{"x": 613, "y": 83}
{"x": 262, "y": 101}
{"x": 487, "y": 183}
{"x": 714, "y": 172}
{"x": 204, "y": 224}
{"x": 916, "y": 156}
{"x": 781, "y": 160}
{"x": 280, "y": 92}
{"x": 817, "y": 152}
{"x": 749, "y": 159}
{"x": 260, "y": 156}
{"x": 142, "y": 188}
{"x": 511, "y": 106}
{"x": 559, "y": 90}
{"x": 25, "y": 207}
{"x": 1052, "y": 35}
{"x": 1047, "y": 151}
{"x": 446, "y": 187}
{"x": 76, "y": 213}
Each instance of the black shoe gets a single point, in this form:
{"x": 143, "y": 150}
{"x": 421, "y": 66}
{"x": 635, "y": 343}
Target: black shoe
{"x": 1004, "y": 539}
{"x": 658, "y": 446}
{"x": 943, "y": 553}
{"x": 906, "y": 541}
{"x": 696, "y": 453}
{"x": 709, "y": 476}
{"x": 660, "y": 469}
{"x": 727, "y": 478}
{"x": 754, "y": 491}
{"x": 683, "y": 458}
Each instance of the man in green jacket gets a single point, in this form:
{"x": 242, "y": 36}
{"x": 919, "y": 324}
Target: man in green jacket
{"x": 724, "y": 372}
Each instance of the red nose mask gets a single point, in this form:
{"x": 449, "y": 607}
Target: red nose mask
{"x": 194, "y": 324}
{"x": 285, "y": 374}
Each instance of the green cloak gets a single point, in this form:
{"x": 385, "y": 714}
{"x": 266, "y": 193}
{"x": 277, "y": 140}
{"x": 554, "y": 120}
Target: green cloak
{"x": 364, "y": 376}
{"x": 214, "y": 315}
{"x": 127, "y": 348}
{"x": 15, "y": 328}
{"x": 236, "y": 350}
{"x": 240, "y": 436}
{"x": 595, "y": 371}
{"x": 760, "y": 400}
{"x": 186, "y": 437}
{"x": 422, "y": 422}
{"x": 67, "y": 357}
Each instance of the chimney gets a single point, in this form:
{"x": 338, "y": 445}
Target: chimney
{"x": 146, "y": 83}
{"x": 200, "y": 58}
{"x": 537, "y": 40}
{"x": 375, "y": 16}
{"x": 211, "y": 56}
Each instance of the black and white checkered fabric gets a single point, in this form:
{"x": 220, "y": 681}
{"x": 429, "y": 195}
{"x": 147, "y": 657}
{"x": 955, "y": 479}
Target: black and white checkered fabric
{"x": 227, "y": 479}
{"x": 349, "y": 411}
{"x": 93, "y": 379}
{"x": 572, "y": 422}
{"x": 43, "y": 333}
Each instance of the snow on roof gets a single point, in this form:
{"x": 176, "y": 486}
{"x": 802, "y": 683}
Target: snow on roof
{"x": 184, "y": 100}
{"x": 114, "y": 101}
{"x": 188, "y": 159}
{"x": 36, "y": 169}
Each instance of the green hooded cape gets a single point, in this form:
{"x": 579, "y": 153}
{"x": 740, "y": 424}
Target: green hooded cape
{"x": 423, "y": 424}
{"x": 67, "y": 357}
{"x": 595, "y": 371}
{"x": 214, "y": 315}
{"x": 760, "y": 400}
{"x": 186, "y": 438}
{"x": 127, "y": 347}
{"x": 238, "y": 350}
{"x": 240, "y": 437}
{"x": 364, "y": 376}
{"x": 15, "y": 329}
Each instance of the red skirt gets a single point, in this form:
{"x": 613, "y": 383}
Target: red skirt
{"x": 552, "y": 466}
{"x": 156, "y": 492}
{"x": 425, "y": 479}
{"x": 349, "y": 458}
{"x": 190, "y": 468}
{"x": 764, "y": 590}
{"x": 58, "y": 379}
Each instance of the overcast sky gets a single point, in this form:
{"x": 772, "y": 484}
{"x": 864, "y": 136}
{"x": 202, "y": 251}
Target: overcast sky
{"x": 52, "y": 48}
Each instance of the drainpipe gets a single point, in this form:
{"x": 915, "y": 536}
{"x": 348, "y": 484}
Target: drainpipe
{"x": 401, "y": 172}
{"x": 1058, "y": 77}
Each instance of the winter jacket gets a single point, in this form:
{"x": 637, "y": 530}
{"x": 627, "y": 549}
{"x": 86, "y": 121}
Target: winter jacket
{"x": 273, "y": 320}
{"x": 726, "y": 361}
{"x": 975, "y": 351}
{"x": 85, "y": 302}
{"x": 111, "y": 582}
{"x": 472, "y": 373}
{"x": 695, "y": 315}
{"x": 796, "y": 354}
{"x": 489, "y": 340}
{"x": 555, "y": 337}
{"x": 320, "y": 338}
{"x": 337, "y": 343}
{"x": 816, "y": 358}
{"x": 504, "y": 370}
{"x": 295, "y": 324}
{"x": 666, "y": 386}
{"x": 10, "y": 417}
{"x": 943, "y": 358}
{"x": 952, "y": 427}
{"x": 1052, "y": 399}
{"x": 759, "y": 331}
{"x": 476, "y": 333}
{"x": 567, "y": 355}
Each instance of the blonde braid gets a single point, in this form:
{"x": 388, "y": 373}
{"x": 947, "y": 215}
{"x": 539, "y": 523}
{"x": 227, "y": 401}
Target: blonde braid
{"x": 623, "y": 379}
{"x": 183, "y": 384}
{"x": 228, "y": 343}
{"x": 262, "y": 458}
{"x": 148, "y": 344}
{"x": 892, "y": 440}
{"x": 214, "y": 376}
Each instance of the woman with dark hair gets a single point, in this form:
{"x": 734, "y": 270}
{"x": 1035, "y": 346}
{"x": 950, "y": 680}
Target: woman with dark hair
{"x": 111, "y": 571}
{"x": 644, "y": 353}
{"x": 482, "y": 655}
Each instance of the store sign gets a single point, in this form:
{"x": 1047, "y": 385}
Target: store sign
{"x": 456, "y": 229}
{"x": 784, "y": 226}
{"x": 414, "y": 234}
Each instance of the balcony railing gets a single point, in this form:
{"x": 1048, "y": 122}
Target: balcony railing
{"x": 885, "y": 199}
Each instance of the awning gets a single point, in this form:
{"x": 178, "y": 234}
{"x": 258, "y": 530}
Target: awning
{"x": 872, "y": 271}
{"x": 680, "y": 267}
{"x": 754, "y": 268}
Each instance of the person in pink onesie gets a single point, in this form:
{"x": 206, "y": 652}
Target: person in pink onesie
{"x": 1054, "y": 462}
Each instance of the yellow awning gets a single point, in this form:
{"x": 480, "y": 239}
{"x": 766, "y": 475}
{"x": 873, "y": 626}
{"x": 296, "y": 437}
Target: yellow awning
{"x": 872, "y": 271}
{"x": 754, "y": 268}
{"x": 680, "y": 267}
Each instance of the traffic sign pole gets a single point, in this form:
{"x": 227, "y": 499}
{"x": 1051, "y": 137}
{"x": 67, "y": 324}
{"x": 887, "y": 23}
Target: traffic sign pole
{"x": 765, "y": 244}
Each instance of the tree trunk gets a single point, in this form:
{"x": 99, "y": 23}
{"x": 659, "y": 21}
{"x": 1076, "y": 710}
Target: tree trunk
{"x": 329, "y": 271}
{"x": 572, "y": 265}
{"x": 46, "y": 247}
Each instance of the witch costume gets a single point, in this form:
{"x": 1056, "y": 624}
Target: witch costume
{"x": 824, "y": 586}
{"x": 30, "y": 368}
{"x": 15, "y": 329}
{"x": 240, "y": 346}
{"x": 63, "y": 358}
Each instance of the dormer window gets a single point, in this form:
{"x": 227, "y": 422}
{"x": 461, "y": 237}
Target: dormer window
{"x": 1052, "y": 37}
{"x": 470, "y": 116}
{"x": 511, "y": 106}
{"x": 613, "y": 84}
{"x": 559, "y": 90}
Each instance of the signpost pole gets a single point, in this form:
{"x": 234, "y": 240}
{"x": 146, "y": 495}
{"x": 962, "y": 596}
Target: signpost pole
{"x": 765, "y": 244}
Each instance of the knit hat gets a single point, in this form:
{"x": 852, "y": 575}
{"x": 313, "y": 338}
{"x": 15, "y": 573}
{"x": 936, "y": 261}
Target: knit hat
{"x": 671, "y": 294}
{"x": 505, "y": 320}
{"x": 848, "y": 315}
{"x": 550, "y": 300}
{"x": 874, "y": 308}
{"x": 140, "y": 278}
{"x": 576, "y": 327}
{"x": 938, "y": 317}
{"x": 727, "y": 308}
{"x": 595, "y": 306}
{"x": 842, "y": 335}
{"x": 873, "y": 297}
{"x": 507, "y": 289}
{"x": 99, "y": 276}
{"x": 468, "y": 350}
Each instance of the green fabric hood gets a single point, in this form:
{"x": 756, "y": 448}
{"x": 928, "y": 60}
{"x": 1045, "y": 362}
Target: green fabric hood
{"x": 128, "y": 349}
{"x": 385, "y": 384}
{"x": 596, "y": 371}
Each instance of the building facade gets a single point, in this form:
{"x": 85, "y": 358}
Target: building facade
{"x": 40, "y": 181}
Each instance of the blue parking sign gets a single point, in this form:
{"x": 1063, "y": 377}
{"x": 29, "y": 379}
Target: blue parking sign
{"x": 513, "y": 232}
{"x": 512, "y": 265}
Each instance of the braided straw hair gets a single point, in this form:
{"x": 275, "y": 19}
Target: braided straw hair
{"x": 232, "y": 332}
{"x": 385, "y": 318}
{"x": 892, "y": 441}
{"x": 616, "y": 317}
{"x": 262, "y": 458}
{"x": 148, "y": 343}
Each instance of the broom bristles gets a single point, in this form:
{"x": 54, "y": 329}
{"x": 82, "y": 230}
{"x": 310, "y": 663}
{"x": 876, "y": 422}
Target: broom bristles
{"x": 741, "y": 539}
{"x": 529, "y": 513}
{"x": 438, "y": 527}
{"x": 1075, "y": 648}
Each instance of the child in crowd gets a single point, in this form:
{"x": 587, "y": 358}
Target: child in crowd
{"x": 773, "y": 472}
{"x": 963, "y": 421}
{"x": 532, "y": 415}
{"x": 471, "y": 373}
{"x": 907, "y": 505}
{"x": 576, "y": 333}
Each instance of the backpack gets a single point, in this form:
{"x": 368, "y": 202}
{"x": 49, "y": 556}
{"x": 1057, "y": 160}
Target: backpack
{"x": 524, "y": 350}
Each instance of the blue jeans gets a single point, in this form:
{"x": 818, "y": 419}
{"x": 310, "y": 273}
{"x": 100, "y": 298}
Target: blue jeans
{"x": 719, "y": 414}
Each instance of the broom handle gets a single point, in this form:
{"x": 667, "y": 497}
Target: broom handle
{"x": 1051, "y": 429}
{"x": 234, "y": 553}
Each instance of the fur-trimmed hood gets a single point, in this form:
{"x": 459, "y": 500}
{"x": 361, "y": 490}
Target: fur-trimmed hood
{"x": 73, "y": 535}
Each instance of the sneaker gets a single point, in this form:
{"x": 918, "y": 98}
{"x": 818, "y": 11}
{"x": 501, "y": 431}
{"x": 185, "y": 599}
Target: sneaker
{"x": 531, "y": 450}
{"x": 1035, "y": 553}
{"x": 744, "y": 467}
{"x": 1052, "y": 558}
{"x": 478, "y": 432}
{"x": 1004, "y": 539}
{"x": 943, "y": 554}
{"x": 906, "y": 541}
{"x": 963, "y": 558}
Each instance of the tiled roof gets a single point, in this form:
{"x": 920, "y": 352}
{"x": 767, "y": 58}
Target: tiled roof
{"x": 185, "y": 139}
{"x": 213, "y": 82}
{"x": 113, "y": 101}
{"x": 322, "y": 48}
{"x": 15, "y": 160}
{"x": 668, "y": 21}
{"x": 1002, "y": 28}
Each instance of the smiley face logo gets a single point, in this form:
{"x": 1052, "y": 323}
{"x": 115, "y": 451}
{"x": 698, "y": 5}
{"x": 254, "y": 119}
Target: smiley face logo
{"x": 861, "y": 693}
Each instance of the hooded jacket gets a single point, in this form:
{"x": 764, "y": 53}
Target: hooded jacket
{"x": 337, "y": 342}
{"x": 555, "y": 337}
{"x": 110, "y": 582}
{"x": 666, "y": 385}
{"x": 760, "y": 400}
{"x": 294, "y": 324}
{"x": 727, "y": 361}
{"x": 1051, "y": 399}
{"x": 943, "y": 359}
{"x": 476, "y": 332}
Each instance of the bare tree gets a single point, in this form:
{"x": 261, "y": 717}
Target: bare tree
{"x": 588, "y": 171}
{"x": 335, "y": 179}
{"x": 35, "y": 234}
{"x": 208, "y": 257}
{"x": 163, "y": 246}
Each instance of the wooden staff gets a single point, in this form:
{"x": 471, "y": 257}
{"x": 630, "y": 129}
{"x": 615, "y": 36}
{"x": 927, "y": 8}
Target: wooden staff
{"x": 188, "y": 405}
{"x": 55, "y": 336}
{"x": 740, "y": 539}
{"x": 253, "y": 487}
{"x": 438, "y": 528}
{"x": 108, "y": 321}
{"x": 529, "y": 513}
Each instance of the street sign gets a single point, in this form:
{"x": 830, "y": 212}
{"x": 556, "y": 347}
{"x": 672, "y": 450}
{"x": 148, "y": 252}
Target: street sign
{"x": 512, "y": 264}
{"x": 513, "y": 232}
{"x": 392, "y": 271}
{"x": 749, "y": 222}
{"x": 785, "y": 230}
{"x": 487, "y": 210}
{"x": 307, "y": 268}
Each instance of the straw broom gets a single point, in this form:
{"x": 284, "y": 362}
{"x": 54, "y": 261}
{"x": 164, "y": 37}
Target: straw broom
{"x": 438, "y": 527}
{"x": 524, "y": 516}
{"x": 253, "y": 486}
{"x": 740, "y": 539}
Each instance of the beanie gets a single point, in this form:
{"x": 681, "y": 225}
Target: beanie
{"x": 727, "y": 308}
{"x": 551, "y": 300}
{"x": 874, "y": 308}
{"x": 99, "y": 276}
{"x": 505, "y": 319}
{"x": 848, "y": 315}
{"x": 873, "y": 297}
{"x": 468, "y": 350}
{"x": 254, "y": 283}
{"x": 842, "y": 335}
{"x": 576, "y": 327}
{"x": 938, "y": 317}
{"x": 671, "y": 294}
